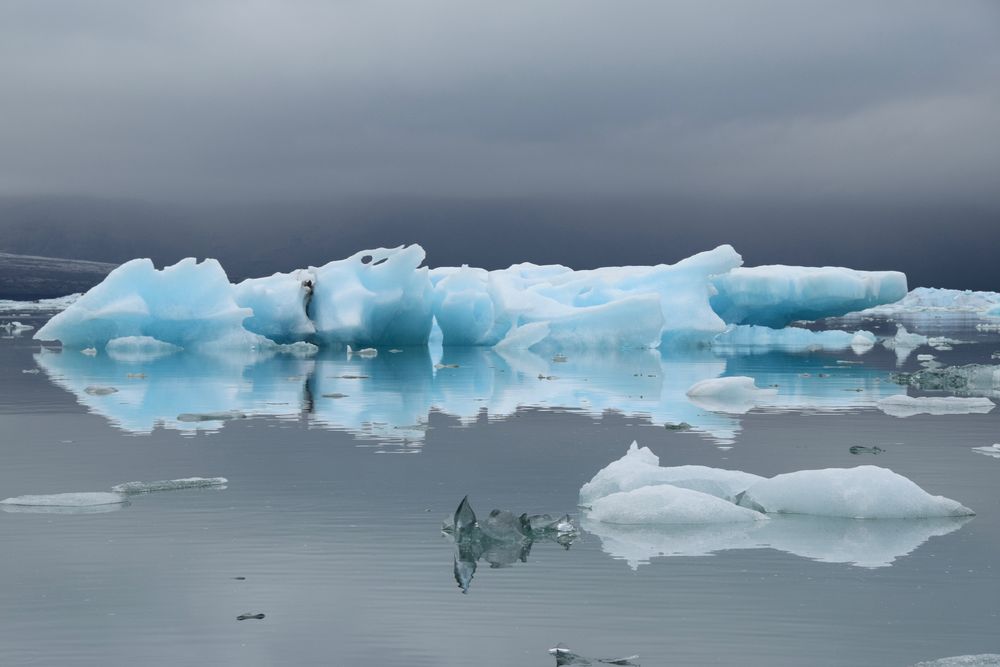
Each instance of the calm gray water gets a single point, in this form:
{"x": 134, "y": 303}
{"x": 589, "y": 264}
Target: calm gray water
{"x": 334, "y": 507}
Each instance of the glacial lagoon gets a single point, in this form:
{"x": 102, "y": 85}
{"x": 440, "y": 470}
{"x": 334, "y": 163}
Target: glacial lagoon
{"x": 340, "y": 470}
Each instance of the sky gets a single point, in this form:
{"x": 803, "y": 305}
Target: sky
{"x": 260, "y": 100}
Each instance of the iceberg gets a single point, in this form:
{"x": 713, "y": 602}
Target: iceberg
{"x": 667, "y": 504}
{"x": 934, "y": 300}
{"x": 908, "y": 406}
{"x": 385, "y": 297}
{"x": 792, "y": 338}
{"x": 132, "y": 488}
{"x": 777, "y": 295}
{"x": 16, "y": 327}
{"x": 864, "y": 492}
{"x": 640, "y": 467}
{"x": 728, "y": 394}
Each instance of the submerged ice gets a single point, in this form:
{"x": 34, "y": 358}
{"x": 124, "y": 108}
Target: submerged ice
{"x": 385, "y": 297}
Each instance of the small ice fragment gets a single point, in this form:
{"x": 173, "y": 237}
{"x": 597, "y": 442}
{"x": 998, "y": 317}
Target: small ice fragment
{"x": 89, "y": 351}
{"x": 564, "y": 656}
{"x": 364, "y": 353}
{"x": 247, "y": 615}
{"x": 908, "y": 406}
{"x": 989, "y": 450}
{"x": 210, "y": 416}
{"x": 30, "y": 371}
{"x": 95, "y": 390}
{"x": 925, "y": 357}
{"x": 169, "y": 485}
{"x": 861, "y": 449}
{"x": 77, "y": 499}
{"x": 15, "y": 327}
{"x": 728, "y": 394}
{"x": 682, "y": 426}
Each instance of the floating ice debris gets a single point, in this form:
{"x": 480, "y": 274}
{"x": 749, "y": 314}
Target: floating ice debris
{"x": 30, "y": 371}
{"x": 936, "y": 300}
{"x": 728, "y": 394}
{"x": 248, "y": 615}
{"x": 335, "y": 395}
{"x": 905, "y": 339}
{"x": 682, "y": 426}
{"x": 564, "y": 656}
{"x": 908, "y": 406}
{"x": 16, "y": 327}
{"x": 39, "y": 305}
{"x": 989, "y": 450}
{"x": 791, "y": 338}
{"x": 66, "y": 500}
{"x": 981, "y": 660}
{"x": 210, "y": 416}
{"x": 640, "y": 467}
{"x": 170, "y": 485}
{"x": 364, "y": 353}
{"x": 864, "y": 492}
{"x": 89, "y": 351}
{"x": 976, "y": 379}
{"x": 925, "y": 357}
{"x": 666, "y": 504}
{"x": 95, "y": 390}
{"x": 861, "y": 449}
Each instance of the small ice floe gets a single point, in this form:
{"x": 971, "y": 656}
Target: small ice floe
{"x": 31, "y": 371}
{"x": 682, "y": 426}
{"x": 364, "y": 353}
{"x": 989, "y": 450}
{"x": 861, "y": 449}
{"x": 78, "y": 502}
{"x": 908, "y": 406}
{"x": 981, "y": 660}
{"x": 728, "y": 394}
{"x": 89, "y": 351}
{"x": 210, "y": 416}
{"x": 925, "y": 357}
{"x": 95, "y": 390}
{"x": 564, "y": 656}
{"x": 395, "y": 350}
{"x": 250, "y": 615}
{"x": 440, "y": 366}
{"x": 132, "y": 488}
{"x": 864, "y": 492}
{"x": 666, "y": 504}
{"x": 16, "y": 327}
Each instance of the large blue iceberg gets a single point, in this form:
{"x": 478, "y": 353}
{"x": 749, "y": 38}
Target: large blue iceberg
{"x": 385, "y": 297}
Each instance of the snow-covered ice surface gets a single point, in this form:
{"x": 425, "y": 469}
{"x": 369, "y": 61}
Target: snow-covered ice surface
{"x": 864, "y": 492}
{"x": 666, "y": 504}
{"x": 170, "y": 485}
{"x": 385, "y": 297}
{"x": 908, "y": 406}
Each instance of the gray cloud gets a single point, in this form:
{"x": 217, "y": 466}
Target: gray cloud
{"x": 268, "y": 99}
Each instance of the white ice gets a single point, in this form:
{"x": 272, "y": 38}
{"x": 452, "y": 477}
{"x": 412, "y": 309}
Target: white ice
{"x": 989, "y": 450}
{"x": 666, "y": 504}
{"x": 792, "y": 338}
{"x": 735, "y": 395}
{"x": 863, "y": 492}
{"x": 16, "y": 327}
{"x": 81, "y": 499}
{"x": 170, "y": 485}
{"x": 38, "y": 305}
{"x": 936, "y": 300}
{"x": 384, "y": 297}
{"x": 908, "y": 406}
{"x": 640, "y": 467}
{"x": 980, "y": 660}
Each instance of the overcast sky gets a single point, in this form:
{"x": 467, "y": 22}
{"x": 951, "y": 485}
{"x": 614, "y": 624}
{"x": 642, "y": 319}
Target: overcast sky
{"x": 240, "y": 99}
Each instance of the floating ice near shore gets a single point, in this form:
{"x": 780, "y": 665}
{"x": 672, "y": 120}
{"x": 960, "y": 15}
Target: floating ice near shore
{"x": 980, "y": 660}
{"x": 385, "y": 297}
{"x": 641, "y": 467}
{"x": 936, "y": 300}
{"x": 735, "y": 395}
{"x": 908, "y": 406}
{"x": 65, "y": 500}
{"x": 170, "y": 485}
{"x": 864, "y": 492}
{"x": 989, "y": 450}
{"x": 16, "y": 327}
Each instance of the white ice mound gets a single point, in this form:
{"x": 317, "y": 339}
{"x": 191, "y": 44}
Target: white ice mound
{"x": 864, "y": 492}
{"x": 777, "y": 295}
{"x": 641, "y": 467}
{"x": 170, "y": 485}
{"x": 384, "y": 297}
{"x": 980, "y": 660}
{"x": 792, "y": 338}
{"x": 908, "y": 406}
{"x": 936, "y": 300}
{"x": 666, "y": 504}
{"x": 80, "y": 499}
{"x": 735, "y": 395}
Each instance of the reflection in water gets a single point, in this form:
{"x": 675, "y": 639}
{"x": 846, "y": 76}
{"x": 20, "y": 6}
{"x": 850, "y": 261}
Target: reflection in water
{"x": 501, "y": 539}
{"x": 386, "y": 400}
{"x": 864, "y": 543}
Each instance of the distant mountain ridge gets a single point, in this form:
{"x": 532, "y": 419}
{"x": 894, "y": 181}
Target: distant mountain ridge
{"x": 25, "y": 277}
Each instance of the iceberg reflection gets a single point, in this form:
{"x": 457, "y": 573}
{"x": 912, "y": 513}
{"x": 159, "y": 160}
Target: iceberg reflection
{"x": 386, "y": 400}
{"x": 862, "y": 543}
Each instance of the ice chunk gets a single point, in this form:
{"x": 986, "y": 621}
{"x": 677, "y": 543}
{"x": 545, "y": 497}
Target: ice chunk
{"x": 564, "y": 656}
{"x": 666, "y": 504}
{"x": 989, "y": 450}
{"x": 39, "y": 305}
{"x": 138, "y": 348}
{"x": 728, "y": 394}
{"x": 905, "y": 339}
{"x": 641, "y": 467}
{"x": 935, "y": 300}
{"x": 908, "y": 406}
{"x": 777, "y": 295}
{"x": 16, "y": 327}
{"x": 65, "y": 500}
{"x": 792, "y": 338}
{"x": 864, "y": 492}
{"x": 974, "y": 379}
{"x": 169, "y": 485}
{"x": 980, "y": 660}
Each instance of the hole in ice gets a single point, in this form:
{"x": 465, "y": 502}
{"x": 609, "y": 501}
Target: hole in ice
{"x": 367, "y": 259}
{"x": 381, "y": 261}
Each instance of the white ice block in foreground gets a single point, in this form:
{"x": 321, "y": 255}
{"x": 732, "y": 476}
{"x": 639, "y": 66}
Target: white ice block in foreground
{"x": 908, "y": 406}
{"x": 80, "y": 499}
{"x": 864, "y": 492}
{"x": 666, "y": 504}
{"x": 170, "y": 485}
{"x": 728, "y": 394}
